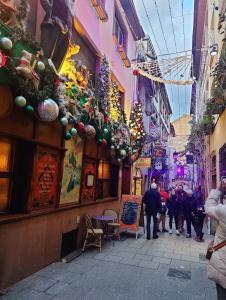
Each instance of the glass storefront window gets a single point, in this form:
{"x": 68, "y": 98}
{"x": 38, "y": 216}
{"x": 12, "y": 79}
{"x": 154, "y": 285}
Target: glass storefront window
{"x": 5, "y": 151}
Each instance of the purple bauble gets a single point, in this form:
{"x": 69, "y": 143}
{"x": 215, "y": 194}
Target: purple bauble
{"x": 48, "y": 110}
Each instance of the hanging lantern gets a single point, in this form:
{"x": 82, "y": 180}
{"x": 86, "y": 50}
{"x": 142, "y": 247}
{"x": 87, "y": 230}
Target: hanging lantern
{"x": 20, "y": 101}
{"x": 48, "y": 110}
{"x": 90, "y": 132}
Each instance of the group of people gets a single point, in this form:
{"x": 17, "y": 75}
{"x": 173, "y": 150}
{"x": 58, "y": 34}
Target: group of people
{"x": 186, "y": 206}
{"x": 182, "y": 206}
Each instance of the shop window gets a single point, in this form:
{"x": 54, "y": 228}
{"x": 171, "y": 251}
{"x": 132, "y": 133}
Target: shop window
{"x": 5, "y": 174}
{"x": 15, "y": 174}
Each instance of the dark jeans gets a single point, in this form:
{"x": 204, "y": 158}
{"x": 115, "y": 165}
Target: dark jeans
{"x": 198, "y": 229}
{"x": 188, "y": 223}
{"x": 155, "y": 222}
{"x": 175, "y": 217}
{"x": 221, "y": 292}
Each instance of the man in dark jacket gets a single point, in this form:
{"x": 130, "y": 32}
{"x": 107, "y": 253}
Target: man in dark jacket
{"x": 189, "y": 207}
{"x": 153, "y": 205}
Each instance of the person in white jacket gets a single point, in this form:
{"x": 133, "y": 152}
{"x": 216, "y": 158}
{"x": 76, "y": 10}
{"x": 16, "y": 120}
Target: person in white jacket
{"x": 216, "y": 208}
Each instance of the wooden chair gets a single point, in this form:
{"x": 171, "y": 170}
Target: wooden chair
{"x": 93, "y": 235}
{"x": 113, "y": 228}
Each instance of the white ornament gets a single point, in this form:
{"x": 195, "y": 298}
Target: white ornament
{"x": 64, "y": 121}
{"x": 20, "y": 101}
{"x": 6, "y": 43}
{"x": 41, "y": 66}
{"x": 123, "y": 153}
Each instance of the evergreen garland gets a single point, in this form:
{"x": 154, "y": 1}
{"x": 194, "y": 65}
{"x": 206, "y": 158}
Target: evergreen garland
{"x": 103, "y": 87}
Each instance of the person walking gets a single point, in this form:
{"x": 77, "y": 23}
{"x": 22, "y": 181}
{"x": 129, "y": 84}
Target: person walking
{"x": 198, "y": 217}
{"x": 162, "y": 218}
{"x": 215, "y": 208}
{"x": 181, "y": 194}
{"x": 188, "y": 208}
{"x": 173, "y": 211}
{"x": 152, "y": 205}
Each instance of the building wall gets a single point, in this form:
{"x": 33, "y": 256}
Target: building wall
{"x": 217, "y": 140}
{"x": 100, "y": 35}
{"x": 31, "y": 243}
{"x": 182, "y": 131}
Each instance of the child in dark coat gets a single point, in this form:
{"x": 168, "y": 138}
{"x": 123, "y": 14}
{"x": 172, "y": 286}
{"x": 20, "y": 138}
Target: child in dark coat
{"x": 198, "y": 219}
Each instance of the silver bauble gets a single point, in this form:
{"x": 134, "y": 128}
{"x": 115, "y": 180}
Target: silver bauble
{"x": 105, "y": 130}
{"x": 6, "y": 43}
{"x": 119, "y": 160}
{"x": 112, "y": 147}
{"x": 64, "y": 121}
{"x": 112, "y": 140}
{"x": 48, "y": 110}
{"x": 41, "y": 66}
{"x": 20, "y": 101}
{"x": 123, "y": 153}
{"x": 90, "y": 132}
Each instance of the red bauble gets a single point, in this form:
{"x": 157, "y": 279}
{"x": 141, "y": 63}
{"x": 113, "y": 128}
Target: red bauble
{"x": 3, "y": 59}
{"x": 135, "y": 72}
{"x": 80, "y": 127}
{"x": 104, "y": 143}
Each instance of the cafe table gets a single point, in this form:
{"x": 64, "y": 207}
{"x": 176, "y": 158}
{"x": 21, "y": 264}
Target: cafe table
{"x": 104, "y": 220}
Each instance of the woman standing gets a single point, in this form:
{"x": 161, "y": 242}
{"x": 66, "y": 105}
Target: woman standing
{"x": 173, "y": 211}
{"x": 216, "y": 208}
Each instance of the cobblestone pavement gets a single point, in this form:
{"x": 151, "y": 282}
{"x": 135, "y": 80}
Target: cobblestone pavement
{"x": 170, "y": 268}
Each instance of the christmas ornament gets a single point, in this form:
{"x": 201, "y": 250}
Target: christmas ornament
{"x": 26, "y": 70}
{"x": 105, "y": 130}
{"x": 6, "y": 43}
{"x": 3, "y": 59}
{"x": 20, "y": 101}
{"x": 73, "y": 131}
{"x": 123, "y": 153}
{"x": 30, "y": 109}
{"x": 48, "y": 110}
{"x": 104, "y": 143}
{"x": 80, "y": 127}
{"x": 135, "y": 72}
{"x": 119, "y": 160}
{"x": 64, "y": 121}
{"x": 112, "y": 147}
{"x": 41, "y": 66}
{"x": 90, "y": 132}
{"x": 100, "y": 140}
{"x": 112, "y": 139}
{"x": 67, "y": 135}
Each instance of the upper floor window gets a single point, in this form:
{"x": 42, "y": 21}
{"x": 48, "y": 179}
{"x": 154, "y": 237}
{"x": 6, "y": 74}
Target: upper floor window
{"x": 99, "y": 6}
{"x": 118, "y": 32}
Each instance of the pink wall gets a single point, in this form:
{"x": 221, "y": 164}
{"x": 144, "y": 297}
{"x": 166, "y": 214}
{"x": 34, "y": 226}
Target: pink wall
{"x": 100, "y": 34}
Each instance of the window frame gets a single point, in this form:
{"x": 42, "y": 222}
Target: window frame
{"x": 118, "y": 19}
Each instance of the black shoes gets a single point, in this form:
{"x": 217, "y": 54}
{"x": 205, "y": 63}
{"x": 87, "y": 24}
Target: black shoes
{"x": 165, "y": 230}
{"x": 155, "y": 237}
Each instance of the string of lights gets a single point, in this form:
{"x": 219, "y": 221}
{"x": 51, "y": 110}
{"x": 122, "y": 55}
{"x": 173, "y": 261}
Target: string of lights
{"x": 150, "y": 24}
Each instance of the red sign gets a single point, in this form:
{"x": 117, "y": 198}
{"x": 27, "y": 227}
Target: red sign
{"x": 46, "y": 177}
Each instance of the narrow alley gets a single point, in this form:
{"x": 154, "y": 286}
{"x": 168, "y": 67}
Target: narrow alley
{"x": 171, "y": 267}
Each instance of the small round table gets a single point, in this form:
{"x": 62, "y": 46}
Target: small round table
{"x": 104, "y": 220}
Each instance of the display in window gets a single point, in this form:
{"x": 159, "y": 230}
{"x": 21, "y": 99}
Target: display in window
{"x": 46, "y": 178}
{"x": 71, "y": 182}
{"x": 5, "y": 148}
{"x": 4, "y": 194}
{"x": 89, "y": 180}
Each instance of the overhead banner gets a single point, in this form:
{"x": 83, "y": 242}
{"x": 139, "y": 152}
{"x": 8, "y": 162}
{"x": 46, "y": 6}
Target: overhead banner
{"x": 143, "y": 162}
